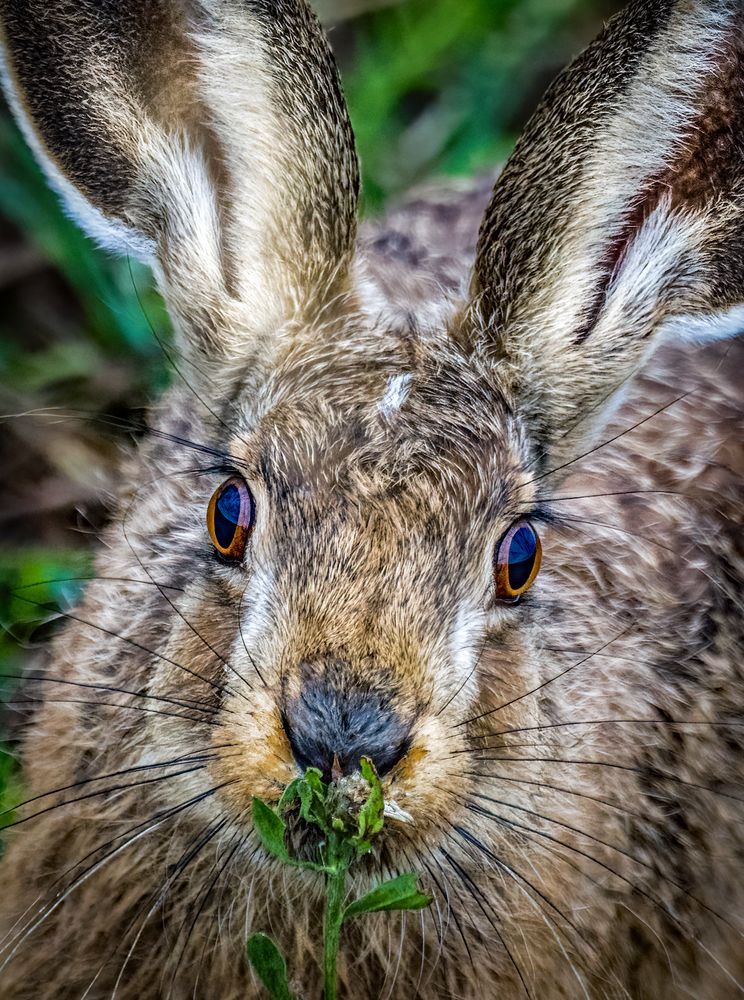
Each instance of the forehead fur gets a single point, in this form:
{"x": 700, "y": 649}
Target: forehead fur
{"x": 387, "y": 419}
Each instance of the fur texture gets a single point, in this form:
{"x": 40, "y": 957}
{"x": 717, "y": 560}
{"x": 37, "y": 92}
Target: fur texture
{"x": 573, "y": 763}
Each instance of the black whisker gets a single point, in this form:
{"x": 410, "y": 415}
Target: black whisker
{"x": 611, "y": 847}
{"x": 150, "y": 824}
{"x": 110, "y": 790}
{"x": 616, "y": 437}
{"x": 472, "y": 672}
{"x": 556, "y": 788}
{"x": 613, "y": 871}
{"x": 196, "y": 846}
{"x": 89, "y": 579}
{"x": 127, "y": 424}
{"x": 216, "y": 872}
{"x": 450, "y": 907}
{"x": 115, "y": 635}
{"x": 619, "y": 493}
{"x": 192, "y": 705}
{"x": 519, "y": 877}
{"x": 477, "y": 896}
{"x": 24, "y": 702}
{"x": 544, "y": 684}
{"x": 722, "y": 723}
{"x": 169, "y": 358}
{"x": 195, "y": 756}
{"x": 661, "y": 775}
{"x": 180, "y": 614}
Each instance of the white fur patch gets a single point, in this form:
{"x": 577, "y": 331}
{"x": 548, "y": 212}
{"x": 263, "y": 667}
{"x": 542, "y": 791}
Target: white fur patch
{"x": 396, "y": 393}
{"x": 704, "y": 327}
{"x": 464, "y": 644}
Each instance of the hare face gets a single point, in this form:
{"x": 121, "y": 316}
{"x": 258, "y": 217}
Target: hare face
{"x": 362, "y": 612}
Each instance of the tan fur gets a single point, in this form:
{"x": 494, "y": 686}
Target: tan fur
{"x": 574, "y": 779}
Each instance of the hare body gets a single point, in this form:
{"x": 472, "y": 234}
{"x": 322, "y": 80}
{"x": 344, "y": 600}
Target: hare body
{"x": 573, "y": 762}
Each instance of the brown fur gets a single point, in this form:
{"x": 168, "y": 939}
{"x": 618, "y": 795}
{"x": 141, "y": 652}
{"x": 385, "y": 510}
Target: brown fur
{"x": 575, "y": 771}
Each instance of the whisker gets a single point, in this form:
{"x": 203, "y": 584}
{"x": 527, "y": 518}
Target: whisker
{"x": 169, "y": 358}
{"x": 623, "y": 531}
{"x": 61, "y": 415}
{"x": 717, "y": 724}
{"x": 112, "y": 789}
{"x": 467, "y": 679}
{"x": 517, "y": 877}
{"x": 216, "y": 872}
{"x": 550, "y": 680}
{"x": 242, "y": 637}
{"x": 115, "y": 635}
{"x": 89, "y": 579}
{"x": 476, "y": 895}
{"x": 661, "y": 775}
{"x": 195, "y": 848}
{"x": 23, "y": 702}
{"x": 192, "y": 705}
{"x": 192, "y": 757}
{"x": 556, "y": 788}
{"x": 92, "y": 869}
{"x": 612, "y": 847}
{"x": 183, "y": 618}
{"x": 616, "y": 437}
{"x": 619, "y": 493}
{"x": 445, "y": 895}
{"x": 656, "y": 902}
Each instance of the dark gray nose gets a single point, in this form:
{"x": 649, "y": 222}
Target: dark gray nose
{"x": 330, "y": 721}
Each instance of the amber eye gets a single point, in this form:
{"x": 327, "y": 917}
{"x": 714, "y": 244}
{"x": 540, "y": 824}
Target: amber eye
{"x": 517, "y": 561}
{"x": 230, "y": 518}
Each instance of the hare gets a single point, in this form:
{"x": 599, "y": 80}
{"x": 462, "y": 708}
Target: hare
{"x": 469, "y": 505}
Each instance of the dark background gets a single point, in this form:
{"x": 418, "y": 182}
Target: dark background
{"x": 435, "y": 87}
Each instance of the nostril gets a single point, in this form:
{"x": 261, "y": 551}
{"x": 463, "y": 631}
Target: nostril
{"x": 330, "y": 729}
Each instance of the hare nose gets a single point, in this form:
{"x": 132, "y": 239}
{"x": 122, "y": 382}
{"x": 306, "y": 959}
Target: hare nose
{"x": 332, "y": 729}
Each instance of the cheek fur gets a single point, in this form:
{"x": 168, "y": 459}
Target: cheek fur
{"x": 257, "y": 758}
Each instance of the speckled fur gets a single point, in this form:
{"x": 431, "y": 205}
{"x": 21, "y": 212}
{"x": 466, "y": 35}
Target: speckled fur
{"x": 575, "y": 777}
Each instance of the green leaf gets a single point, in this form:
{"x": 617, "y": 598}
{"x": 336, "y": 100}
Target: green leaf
{"x": 371, "y": 816}
{"x": 290, "y": 793}
{"x": 398, "y": 894}
{"x": 270, "y": 966}
{"x": 270, "y": 828}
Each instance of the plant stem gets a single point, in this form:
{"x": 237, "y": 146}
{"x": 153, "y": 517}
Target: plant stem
{"x": 335, "y": 892}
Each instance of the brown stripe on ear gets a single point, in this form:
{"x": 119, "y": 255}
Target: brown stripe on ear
{"x": 709, "y": 160}
{"x": 80, "y": 73}
{"x": 208, "y": 137}
{"x": 533, "y": 197}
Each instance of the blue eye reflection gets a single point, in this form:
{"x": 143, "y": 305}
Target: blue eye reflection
{"x": 522, "y": 555}
{"x": 227, "y": 515}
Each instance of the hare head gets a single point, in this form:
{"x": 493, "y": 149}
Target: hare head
{"x": 353, "y": 567}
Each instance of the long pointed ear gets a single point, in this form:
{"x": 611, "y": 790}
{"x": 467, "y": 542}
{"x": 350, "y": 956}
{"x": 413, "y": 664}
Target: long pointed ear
{"x": 619, "y": 219}
{"x": 209, "y": 137}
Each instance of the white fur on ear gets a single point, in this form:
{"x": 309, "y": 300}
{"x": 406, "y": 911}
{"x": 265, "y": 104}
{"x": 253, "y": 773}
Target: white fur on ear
{"x": 641, "y": 143}
{"x": 108, "y": 233}
{"x": 703, "y": 327}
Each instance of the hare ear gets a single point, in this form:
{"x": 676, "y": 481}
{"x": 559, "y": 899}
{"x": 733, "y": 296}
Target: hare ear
{"x": 209, "y": 137}
{"x": 619, "y": 218}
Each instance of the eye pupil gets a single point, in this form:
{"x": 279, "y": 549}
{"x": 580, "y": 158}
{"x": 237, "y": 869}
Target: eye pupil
{"x": 522, "y": 554}
{"x": 227, "y": 515}
{"x": 230, "y": 518}
{"x": 517, "y": 561}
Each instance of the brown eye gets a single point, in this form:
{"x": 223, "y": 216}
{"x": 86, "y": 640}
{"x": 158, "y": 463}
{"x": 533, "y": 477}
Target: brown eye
{"x": 230, "y": 518}
{"x": 517, "y": 561}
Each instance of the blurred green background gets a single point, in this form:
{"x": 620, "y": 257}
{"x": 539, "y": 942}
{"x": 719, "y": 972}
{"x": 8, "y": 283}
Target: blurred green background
{"x": 435, "y": 87}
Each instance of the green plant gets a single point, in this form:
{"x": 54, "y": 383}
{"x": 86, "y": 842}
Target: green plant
{"x": 347, "y": 829}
